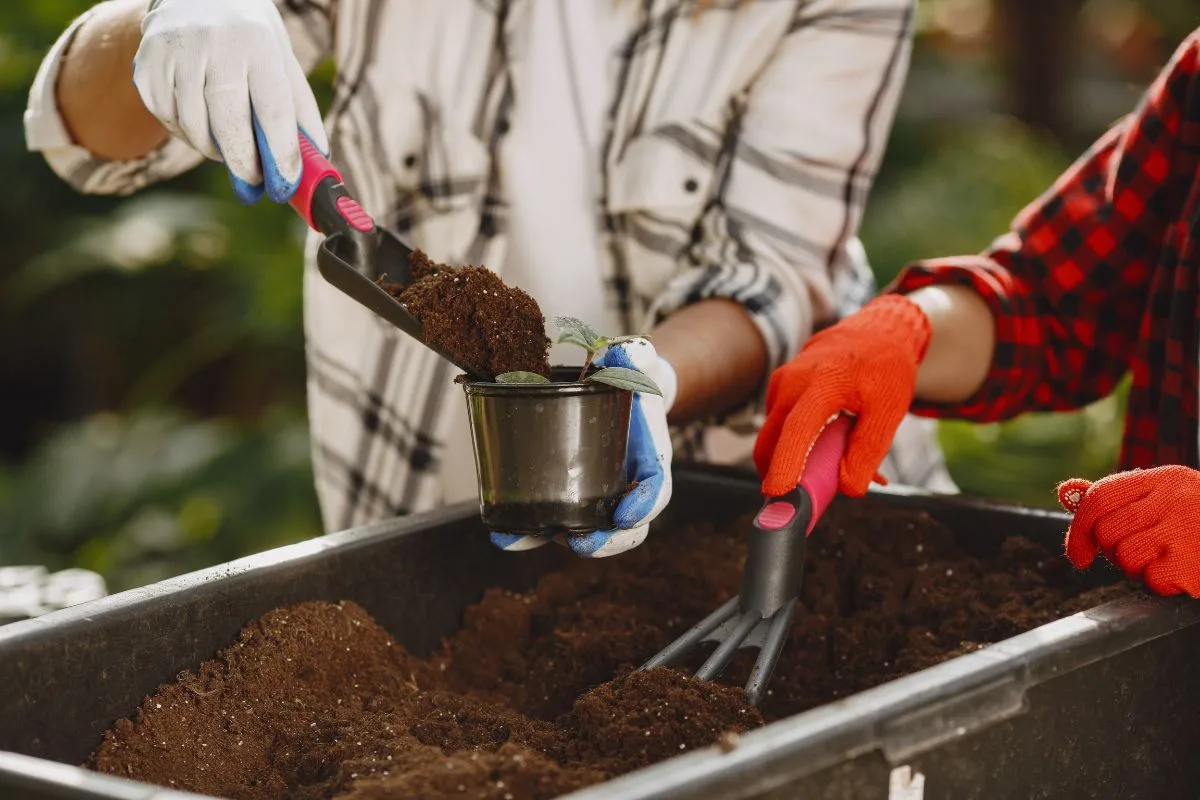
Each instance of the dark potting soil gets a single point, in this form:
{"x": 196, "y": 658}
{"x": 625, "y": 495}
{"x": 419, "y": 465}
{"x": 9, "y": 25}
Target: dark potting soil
{"x": 469, "y": 312}
{"x": 317, "y": 701}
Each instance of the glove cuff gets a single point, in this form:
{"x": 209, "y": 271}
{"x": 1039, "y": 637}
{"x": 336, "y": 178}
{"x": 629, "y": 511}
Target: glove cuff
{"x": 898, "y": 318}
{"x": 664, "y": 375}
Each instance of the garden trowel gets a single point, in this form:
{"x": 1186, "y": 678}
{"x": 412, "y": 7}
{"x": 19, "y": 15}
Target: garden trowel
{"x": 355, "y": 248}
{"x": 761, "y": 615}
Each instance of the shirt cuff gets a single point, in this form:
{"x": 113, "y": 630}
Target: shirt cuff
{"x": 46, "y": 133}
{"x": 44, "y": 127}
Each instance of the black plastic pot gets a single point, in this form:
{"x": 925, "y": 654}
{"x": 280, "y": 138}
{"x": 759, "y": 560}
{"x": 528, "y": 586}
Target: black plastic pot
{"x": 550, "y": 457}
{"x": 1101, "y": 704}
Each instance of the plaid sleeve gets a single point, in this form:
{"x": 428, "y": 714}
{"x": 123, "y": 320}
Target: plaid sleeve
{"x": 1069, "y": 284}
{"x": 309, "y": 24}
{"x": 810, "y": 140}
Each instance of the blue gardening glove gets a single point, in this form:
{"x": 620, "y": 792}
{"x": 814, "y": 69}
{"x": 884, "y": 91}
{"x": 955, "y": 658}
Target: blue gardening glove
{"x": 647, "y": 461}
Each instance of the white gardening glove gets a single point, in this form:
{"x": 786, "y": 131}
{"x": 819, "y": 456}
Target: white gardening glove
{"x": 221, "y": 76}
{"x": 647, "y": 461}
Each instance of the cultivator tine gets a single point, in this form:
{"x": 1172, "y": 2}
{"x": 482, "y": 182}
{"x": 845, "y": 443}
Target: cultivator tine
{"x": 681, "y": 646}
{"x": 721, "y": 657}
{"x": 768, "y": 654}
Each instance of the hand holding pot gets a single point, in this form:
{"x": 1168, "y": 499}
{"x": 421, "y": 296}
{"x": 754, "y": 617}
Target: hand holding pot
{"x": 865, "y": 365}
{"x": 221, "y": 75}
{"x": 647, "y": 463}
{"x": 1147, "y": 522}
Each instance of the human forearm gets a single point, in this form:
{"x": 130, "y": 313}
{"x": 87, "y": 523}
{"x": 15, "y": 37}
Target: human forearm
{"x": 718, "y": 355}
{"x": 961, "y": 345}
{"x": 720, "y": 359}
{"x": 99, "y": 103}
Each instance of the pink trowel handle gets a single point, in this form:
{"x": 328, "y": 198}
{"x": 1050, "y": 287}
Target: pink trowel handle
{"x": 821, "y": 468}
{"x": 321, "y": 199}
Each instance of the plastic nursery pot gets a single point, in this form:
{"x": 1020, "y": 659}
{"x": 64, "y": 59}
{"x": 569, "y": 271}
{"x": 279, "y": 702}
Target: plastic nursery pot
{"x": 549, "y": 457}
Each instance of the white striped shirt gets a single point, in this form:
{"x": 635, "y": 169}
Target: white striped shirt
{"x": 738, "y": 153}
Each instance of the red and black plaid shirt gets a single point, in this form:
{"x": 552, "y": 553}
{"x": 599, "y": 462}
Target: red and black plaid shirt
{"x": 1098, "y": 277}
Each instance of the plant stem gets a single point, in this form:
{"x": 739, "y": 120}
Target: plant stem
{"x": 587, "y": 362}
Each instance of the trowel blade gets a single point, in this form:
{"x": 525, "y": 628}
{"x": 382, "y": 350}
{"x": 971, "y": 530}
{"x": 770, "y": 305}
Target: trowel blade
{"x": 392, "y": 259}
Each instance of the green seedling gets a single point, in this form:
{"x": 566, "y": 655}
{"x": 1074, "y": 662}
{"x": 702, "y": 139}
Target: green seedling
{"x": 578, "y": 332}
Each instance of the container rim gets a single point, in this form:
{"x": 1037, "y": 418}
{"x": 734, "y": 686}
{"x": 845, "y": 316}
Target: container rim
{"x": 568, "y": 388}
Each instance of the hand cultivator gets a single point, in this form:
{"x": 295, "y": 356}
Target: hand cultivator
{"x": 761, "y": 615}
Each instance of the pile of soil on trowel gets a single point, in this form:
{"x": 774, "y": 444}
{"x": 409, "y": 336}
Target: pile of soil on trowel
{"x": 317, "y": 701}
{"x": 469, "y": 312}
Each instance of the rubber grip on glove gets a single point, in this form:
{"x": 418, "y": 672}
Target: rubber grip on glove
{"x": 820, "y": 477}
{"x": 315, "y": 170}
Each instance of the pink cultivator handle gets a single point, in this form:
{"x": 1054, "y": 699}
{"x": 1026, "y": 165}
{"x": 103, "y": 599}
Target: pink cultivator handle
{"x": 820, "y": 478}
{"x": 775, "y": 561}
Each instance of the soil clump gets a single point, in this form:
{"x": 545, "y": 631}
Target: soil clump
{"x": 472, "y": 314}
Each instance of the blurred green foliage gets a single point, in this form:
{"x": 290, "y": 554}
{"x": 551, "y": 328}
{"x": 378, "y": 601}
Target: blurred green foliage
{"x": 153, "y": 360}
{"x": 952, "y": 190}
{"x": 148, "y": 494}
{"x": 152, "y": 365}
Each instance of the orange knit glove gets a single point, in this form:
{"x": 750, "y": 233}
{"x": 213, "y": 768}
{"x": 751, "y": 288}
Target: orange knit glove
{"x": 865, "y": 365}
{"x": 1147, "y": 522}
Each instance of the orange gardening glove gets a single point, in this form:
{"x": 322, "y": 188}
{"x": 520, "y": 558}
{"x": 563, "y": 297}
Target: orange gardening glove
{"x": 1147, "y": 522}
{"x": 865, "y": 365}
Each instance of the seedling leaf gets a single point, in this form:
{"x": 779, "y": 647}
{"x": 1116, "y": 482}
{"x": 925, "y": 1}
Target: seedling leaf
{"x": 628, "y": 379}
{"x": 576, "y": 331}
{"x": 623, "y": 339}
{"x": 520, "y": 376}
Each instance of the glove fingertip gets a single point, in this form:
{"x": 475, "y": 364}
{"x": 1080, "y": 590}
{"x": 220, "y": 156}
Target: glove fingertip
{"x": 248, "y": 193}
{"x": 516, "y": 542}
{"x": 279, "y": 190}
{"x": 781, "y": 478}
{"x": 647, "y": 499}
{"x": 504, "y": 540}
{"x": 857, "y": 471}
{"x": 1071, "y": 492}
{"x": 590, "y": 545}
{"x": 638, "y": 502}
{"x": 603, "y": 544}
{"x": 1080, "y": 549}
{"x": 279, "y": 187}
{"x": 318, "y": 142}
{"x": 852, "y": 484}
{"x": 793, "y": 443}
{"x": 1080, "y": 561}
{"x": 766, "y": 444}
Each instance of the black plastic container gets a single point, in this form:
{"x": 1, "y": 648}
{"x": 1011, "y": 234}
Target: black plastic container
{"x": 1102, "y": 704}
{"x": 550, "y": 457}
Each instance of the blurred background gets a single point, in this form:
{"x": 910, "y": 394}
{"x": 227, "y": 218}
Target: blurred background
{"x": 151, "y": 350}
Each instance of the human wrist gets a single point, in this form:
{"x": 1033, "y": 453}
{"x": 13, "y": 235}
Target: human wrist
{"x": 961, "y": 345}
